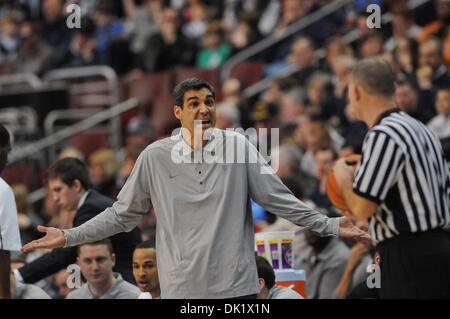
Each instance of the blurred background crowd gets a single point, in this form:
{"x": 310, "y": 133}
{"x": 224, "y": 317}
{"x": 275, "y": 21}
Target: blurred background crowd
{"x": 274, "y": 64}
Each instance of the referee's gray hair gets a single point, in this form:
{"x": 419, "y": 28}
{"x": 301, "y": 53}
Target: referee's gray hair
{"x": 375, "y": 75}
{"x": 289, "y": 154}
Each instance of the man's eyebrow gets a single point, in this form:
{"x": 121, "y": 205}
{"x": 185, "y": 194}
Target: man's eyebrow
{"x": 192, "y": 98}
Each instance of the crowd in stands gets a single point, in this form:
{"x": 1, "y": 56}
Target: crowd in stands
{"x": 309, "y": 107}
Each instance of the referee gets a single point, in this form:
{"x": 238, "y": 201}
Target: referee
{"x": 402, "y": 186}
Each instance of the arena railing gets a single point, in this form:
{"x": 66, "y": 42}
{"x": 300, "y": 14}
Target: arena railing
{"x": 106, "y": 72}
{"x": 33, "y": 150}
{"x": 20, "y": 78}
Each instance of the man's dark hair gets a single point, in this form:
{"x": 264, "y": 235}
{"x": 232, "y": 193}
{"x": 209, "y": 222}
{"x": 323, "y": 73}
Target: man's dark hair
{"x": 328, "y": 149}
{"x": 146, "y": 244}
{"x": 68, "y": 170}
{"x": 375, "y": 75}
{"x": 403, "y": 80}
{"x": 194, "y": 84}
{"x": 107, "y": 242}
{"x": 354, "y": 143}
{"x": 4, "y": 136}
{"x": 265, "y": 271}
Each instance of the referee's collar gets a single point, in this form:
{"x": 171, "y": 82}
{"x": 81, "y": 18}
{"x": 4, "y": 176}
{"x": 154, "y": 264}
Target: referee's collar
{"x": 386, "y": 114}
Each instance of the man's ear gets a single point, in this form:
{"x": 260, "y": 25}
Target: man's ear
{"x": 262, "y": 283}
{"x": 177, "y": 111}
{"x": 77, "y": 185}
{"x": 113, "y": 257}
{"x": 357, "y": 90}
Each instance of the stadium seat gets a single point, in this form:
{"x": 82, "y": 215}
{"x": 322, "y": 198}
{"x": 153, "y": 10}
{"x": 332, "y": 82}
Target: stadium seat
{"x": 248, "y": 73}
{"x": 88, "y": 142}
{"x": 162, "y": 115}
{"x": 17, "y": 174}
{"x": 212, "y": 75}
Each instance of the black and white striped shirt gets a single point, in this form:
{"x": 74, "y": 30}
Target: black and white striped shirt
{"x": 404, "y": 171}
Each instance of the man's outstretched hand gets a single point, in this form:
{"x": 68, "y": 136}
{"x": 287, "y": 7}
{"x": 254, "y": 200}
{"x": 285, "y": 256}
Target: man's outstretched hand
{"x": 349, "y": 231}
{"x": 54, "y": 238}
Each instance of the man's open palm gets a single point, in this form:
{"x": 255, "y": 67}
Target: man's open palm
{"x": 54, "y": 238}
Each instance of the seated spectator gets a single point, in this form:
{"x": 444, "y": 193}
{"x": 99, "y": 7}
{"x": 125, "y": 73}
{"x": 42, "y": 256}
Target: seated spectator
{"x": 245, "y": 33}
{"x": 265, "y": 117}
{"x": 432, "y": 72}
{"x": 320, "y": 96}
{"x": 32, "y": 53}
{"x": 302, "y": 55}
{"x": 292, "y": 104}
{"x": 214, "y": 50}
{"x": 61, "y": 281}
{"x": 145, "y": 270}
{"x": 370, "y": 45}
{"x": 233, "y": 92}
{"x": 324, "y": 261}
{"x": 317, "y": 136}
{"x": 409, "y": 100}
{"x": 142, "y": 21}
{"x": 169, "y": 48}
{"x": 197, "y": 17}
{"x": 103, "y": 166}
{"x": 324, "y": 159}
{"x": 96, "y": 261}
{"x": 138, "y": 135}
{"x": 53, "y": 29}
{"x": 336, "y": 47}
{"x": 402, "y": 25}
{"x": 406, "y": 54}
{"x": 80, "y": 52}
{"x": 440, "y": 124}
{"x": 287, "y": 159}
{"x": 227, "y": 116}
{"x": 26, "y": 291}
{"x": 269, "y": 290}
{"x": 107, "y": 28}
{"x": 9, "y": 37}
{"x": 71, "y": 188}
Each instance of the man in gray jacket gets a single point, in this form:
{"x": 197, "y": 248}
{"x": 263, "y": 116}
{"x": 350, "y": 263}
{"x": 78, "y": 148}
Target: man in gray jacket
{"x": 204, "y": 235}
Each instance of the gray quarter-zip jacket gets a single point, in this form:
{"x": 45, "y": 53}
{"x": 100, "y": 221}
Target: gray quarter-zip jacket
{"x": 204, "y": 234}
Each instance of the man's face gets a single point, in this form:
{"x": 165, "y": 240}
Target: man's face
{"x": 199, "y": 105}
{"x": 145, "y": 269}
{"x": 302, "y": 54}
{"x": 64, "y": 196}
{"x": 96, "y": 263}
{"x": 429, "y": 55}
{"x": 4, "y": 150}
{"x": 406, "y": 98}
{"x": 443, "y": 102}
{"x": 324, "y": 162}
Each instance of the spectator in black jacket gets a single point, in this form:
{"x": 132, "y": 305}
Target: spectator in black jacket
{"x": 70, "y": 184}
